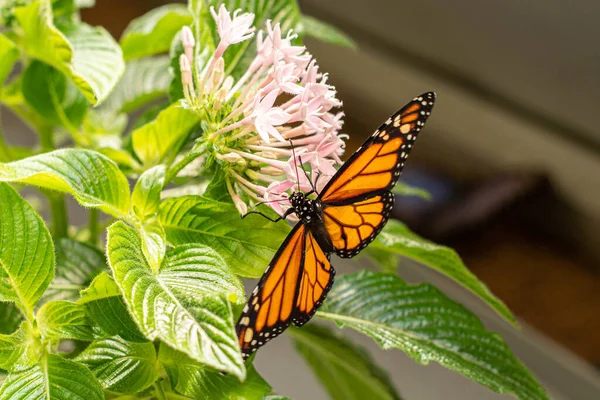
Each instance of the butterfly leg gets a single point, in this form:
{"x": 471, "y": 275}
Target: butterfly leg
{"x": 284, "y": 216}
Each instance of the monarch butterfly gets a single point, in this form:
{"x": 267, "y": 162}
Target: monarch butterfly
{"x": 344, "y": 218}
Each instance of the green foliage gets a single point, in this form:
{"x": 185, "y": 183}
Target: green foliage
{"x": 199, "y": 325}
{"x": 195, "y": 219}
{"x": 346, "y": 370}
{"x": 196, "y": 381}
{"x": 151, "y": 313}
{"x": 153, "y": 32}
{"x": 396, "y": 240}
{"x": 427, "y": 326}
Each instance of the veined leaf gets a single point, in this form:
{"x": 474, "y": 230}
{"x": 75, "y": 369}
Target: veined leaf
{"x": 13, "y": 349}
{"x": 396, "y": 240}
{"x": 77, "y": 264}
{"x": 53, "y": 377}
{"x": 144, "y": 80}
{"x": 121, "y": 366}
{"x": 64, "y": 320}
{"x": 154, "y": 243}
{"x": 325, "y": 32}
{"x": 92, "y": 178}
{"x": 180, "y": 305}
{"x": 9, "y": 54}
{"x": 88, "y": 56}
{"x": 28, "y": 268}
{"x": 193, "y": 379}
{"x": 427, "y": 326}
{"x": 155, "y": 140}
{"x": 153, "y": 32}
{"x": 196, "y": 219}
{"x": 102, "y": 129}
{"x": 105, "y": 306}
{"x": 346, "y": 370}
{"x": 146, "y": 194}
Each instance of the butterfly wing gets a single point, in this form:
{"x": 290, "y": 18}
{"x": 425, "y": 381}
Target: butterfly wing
{"x": 357, "y": 201}
{"x": 271, "y": 306}
{"x": 291, "y": 289}
{"x": 317, "y": 279}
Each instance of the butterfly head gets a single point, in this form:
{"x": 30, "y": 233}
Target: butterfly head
{"x": 304, "y": 207}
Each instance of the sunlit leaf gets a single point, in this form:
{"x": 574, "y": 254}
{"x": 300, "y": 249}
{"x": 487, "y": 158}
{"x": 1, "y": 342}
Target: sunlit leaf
{"x": 64, "y": 320}
{"x": 397, "y": 240}
{"x": 88, "y": 56}
{"x": 9, "y": 54}
{"x": 198, "y": 382}
{"x": 185, "y": 304}
{"x": 404, "y": 189}
{"x": 428, "y": 326}
{"x": 28, "y": 268}
{"x": 14, "y": 350}
{"x": 346, "y": 370}
{"x": 195, "y": 219}
{"x": 53, "y": 377}
{"x": 145, "y": 198}
{"x": 157, "y": 139}
{"x": 153, "y": 32}
{"x": 121, "y": 366}
{"x": 92, "y": 178}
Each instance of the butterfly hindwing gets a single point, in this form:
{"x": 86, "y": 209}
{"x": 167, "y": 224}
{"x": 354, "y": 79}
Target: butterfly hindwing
{"x": 317, "y": 279}
{"x": 271, "y": 306}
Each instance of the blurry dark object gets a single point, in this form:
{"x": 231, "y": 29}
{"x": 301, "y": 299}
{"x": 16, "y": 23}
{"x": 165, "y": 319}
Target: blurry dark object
{"x": 517, "y": 234}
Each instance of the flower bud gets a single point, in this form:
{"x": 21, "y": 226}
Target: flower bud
{"x": 239, "y": 204}
{"x": 188, "y": 42}
{"x": 252, "y": 174}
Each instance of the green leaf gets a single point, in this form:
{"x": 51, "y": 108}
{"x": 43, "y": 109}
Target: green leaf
{"x": 153, "y": 32}
{"x": 49, "y": 93}
{"x": 105, "y": 306}
{"x": 9, "y": 54}
{"x": 247, "y": 245}
{"x": 428, "y": 326}
{"x": 146, "y": 194}
{"x": 184, "y": 305}
{"x": 192, "y": 379}
{"x": 346, "y": 370}
{"x": 154, "y": 243}
{"x": 77, "y": 264}
{"x": 64, "y": 320}
{"x": 14, "y": 350}
{"x": 144, "y": 80}
{"x": 88, "y": 56}
{"x": 397, "y": 240}
{"x": 154, "y": 141}
{"x": 92, "y": 178}
{"x": 404, "y": 189}
{"x": 11, "y": 318}
{"x": 121, "y": 366}
{"x": 53, "y": 378}
{"x": 276, "y": 397}
{"x": 102, "y": 129}
{"x": 324, "y": 32}
{"x": 28, "y": 268}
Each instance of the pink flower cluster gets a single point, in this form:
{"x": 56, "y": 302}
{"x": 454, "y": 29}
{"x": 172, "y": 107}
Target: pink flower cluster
{"x": 281, "y": 107}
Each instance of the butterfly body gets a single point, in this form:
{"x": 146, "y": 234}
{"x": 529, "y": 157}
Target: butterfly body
{"x": 344, "y": 218}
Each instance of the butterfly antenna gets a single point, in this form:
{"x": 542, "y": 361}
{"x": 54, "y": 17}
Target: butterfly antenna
{"x": 295, "y": 165}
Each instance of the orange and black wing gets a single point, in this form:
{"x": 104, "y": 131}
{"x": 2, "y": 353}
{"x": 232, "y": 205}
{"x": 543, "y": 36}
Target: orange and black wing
{"x": 357, "y": 200}
{"x": 317, "y": 279}
{"x": 292, "y": 287}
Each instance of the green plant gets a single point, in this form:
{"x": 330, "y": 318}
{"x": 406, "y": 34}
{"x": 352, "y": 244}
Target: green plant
{"x": 155, "y": 317}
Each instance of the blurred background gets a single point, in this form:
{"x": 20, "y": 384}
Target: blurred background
{"x": 511, "y": 156}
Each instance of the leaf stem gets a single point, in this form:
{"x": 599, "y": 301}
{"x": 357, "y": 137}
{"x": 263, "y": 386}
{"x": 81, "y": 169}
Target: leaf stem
{"x": 160, "y": 392}
{"x": 93, "y": 226}
{"x": 58, "y": 210}
{"x": 181, "y": 164}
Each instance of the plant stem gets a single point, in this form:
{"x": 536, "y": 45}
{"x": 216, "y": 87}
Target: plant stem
{"x": 58, "y": 210}
{"x": 175, "y": 169}
{"x": 160, "y": 392}
{"x": 93, "y": 226}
